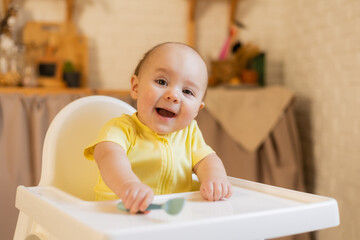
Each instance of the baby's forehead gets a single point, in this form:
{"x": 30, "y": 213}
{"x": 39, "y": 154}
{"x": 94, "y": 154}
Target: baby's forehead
{"x": 174, "y": 48}
{"x": 163, "y": 53}
{"x": 176, "y": 58}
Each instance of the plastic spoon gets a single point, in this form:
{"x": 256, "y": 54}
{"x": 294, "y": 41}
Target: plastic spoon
{"x": 172, "y": 206}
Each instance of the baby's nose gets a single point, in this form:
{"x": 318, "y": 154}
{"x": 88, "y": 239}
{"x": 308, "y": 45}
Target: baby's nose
{"x": 172, "y": 96}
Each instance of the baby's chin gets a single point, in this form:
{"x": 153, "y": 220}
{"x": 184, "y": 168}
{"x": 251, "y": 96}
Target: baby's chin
{"x": 164, "y": 130}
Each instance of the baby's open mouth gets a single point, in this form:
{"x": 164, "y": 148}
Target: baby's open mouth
{"x": 165, "y": 113}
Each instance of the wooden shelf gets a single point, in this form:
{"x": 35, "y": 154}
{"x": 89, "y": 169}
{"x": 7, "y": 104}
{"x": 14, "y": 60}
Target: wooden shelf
{"x": 43, "y": 91}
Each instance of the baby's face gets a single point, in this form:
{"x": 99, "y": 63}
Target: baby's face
{"x": 170, "y": 88}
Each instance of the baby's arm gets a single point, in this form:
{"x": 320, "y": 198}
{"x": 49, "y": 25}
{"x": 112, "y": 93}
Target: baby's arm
{"x": 116, "y": 172}
{"x": 212, "y": 175}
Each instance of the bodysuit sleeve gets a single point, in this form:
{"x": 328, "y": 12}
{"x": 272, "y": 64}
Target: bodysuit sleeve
{"x": 117, "y": 130}
{"x": 199, "y": 148}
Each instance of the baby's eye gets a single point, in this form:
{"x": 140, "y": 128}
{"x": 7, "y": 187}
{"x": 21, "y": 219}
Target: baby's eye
{"x": 188, "y": 92}
{"x": 161, "y": 82}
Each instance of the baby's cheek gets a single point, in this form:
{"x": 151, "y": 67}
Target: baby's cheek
{"x": 190, "y": 114}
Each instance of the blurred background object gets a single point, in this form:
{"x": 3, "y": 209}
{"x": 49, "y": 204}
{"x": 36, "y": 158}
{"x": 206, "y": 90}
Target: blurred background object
{"x": 45, "y": 46}
{"x": 50, "y": 44}
{"x": 10, "y": 59}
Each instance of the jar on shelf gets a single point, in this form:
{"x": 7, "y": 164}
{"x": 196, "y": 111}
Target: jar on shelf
{"x": 10, "y": 64}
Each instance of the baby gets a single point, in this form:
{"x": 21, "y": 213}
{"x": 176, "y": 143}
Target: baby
{"x": 156, "y": 150}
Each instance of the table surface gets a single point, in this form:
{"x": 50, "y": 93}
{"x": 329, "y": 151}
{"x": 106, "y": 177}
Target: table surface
{"x": 255, "y": 211}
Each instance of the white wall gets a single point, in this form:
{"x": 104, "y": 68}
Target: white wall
{"x": 322, "y": 66}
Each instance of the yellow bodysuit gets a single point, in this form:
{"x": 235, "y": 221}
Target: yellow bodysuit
{"x": 163, "y": 162}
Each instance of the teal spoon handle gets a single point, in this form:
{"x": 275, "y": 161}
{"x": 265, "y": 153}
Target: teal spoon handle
{"x": 172, "y": 206}
{"x": 121, "y": 206}
{"x": 154, "y": 207}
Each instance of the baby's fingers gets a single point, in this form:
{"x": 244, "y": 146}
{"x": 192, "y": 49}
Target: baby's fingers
{"x": 229, "y": 191}
{"x": 142, "y": 200}
{"x": 218, "y": 191}
{"x": 146, "y": 201}
{"x": 130, "y": 198}
{"x": 226, "y": 190}
{"x": 207, "y": 190}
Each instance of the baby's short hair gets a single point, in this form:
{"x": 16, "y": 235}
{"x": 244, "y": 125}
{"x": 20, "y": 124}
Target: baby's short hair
{"x": 148, "y": 53}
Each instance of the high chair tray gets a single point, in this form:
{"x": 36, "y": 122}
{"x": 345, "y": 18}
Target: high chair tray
{"x": 255, "y": 211}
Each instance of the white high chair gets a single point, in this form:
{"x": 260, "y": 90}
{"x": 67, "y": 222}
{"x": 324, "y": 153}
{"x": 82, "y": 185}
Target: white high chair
{"x": 63, "y": 164}
{"x": 60, "y": 207}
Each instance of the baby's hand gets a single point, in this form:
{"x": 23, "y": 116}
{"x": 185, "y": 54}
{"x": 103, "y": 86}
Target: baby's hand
{"x": 215, "y": 188}
{"x": 136, "y": 196}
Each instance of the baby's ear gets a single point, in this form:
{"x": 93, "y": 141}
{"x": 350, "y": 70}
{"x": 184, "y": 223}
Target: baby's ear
{"x": 202, "y": 105}
{"x": 134, "y": 86}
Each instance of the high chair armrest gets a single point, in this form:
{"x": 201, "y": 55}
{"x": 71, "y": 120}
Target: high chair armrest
{"x": 49, "y": 207}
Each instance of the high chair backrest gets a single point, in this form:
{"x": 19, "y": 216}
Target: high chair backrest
{"x": 73, "y": 128}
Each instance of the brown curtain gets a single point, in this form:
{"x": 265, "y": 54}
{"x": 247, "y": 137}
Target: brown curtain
{"x": 277, "y": 161}
{"x": 24, "y": 120}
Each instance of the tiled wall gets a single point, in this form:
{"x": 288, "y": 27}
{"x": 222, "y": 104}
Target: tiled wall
{"x": 312, "y": 46}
